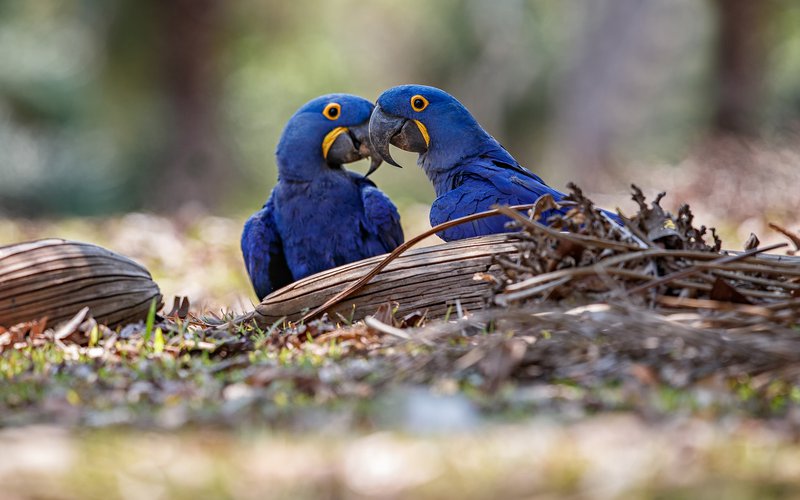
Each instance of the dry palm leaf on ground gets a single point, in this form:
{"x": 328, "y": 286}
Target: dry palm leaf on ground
{"x": 436, "y": 279}
{"x": 53, "y": 280}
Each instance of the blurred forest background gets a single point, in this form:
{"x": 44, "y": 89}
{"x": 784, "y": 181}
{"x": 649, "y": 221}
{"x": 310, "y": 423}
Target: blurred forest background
{"x": 175, "y": 106}
{"x": 154, "y": 105}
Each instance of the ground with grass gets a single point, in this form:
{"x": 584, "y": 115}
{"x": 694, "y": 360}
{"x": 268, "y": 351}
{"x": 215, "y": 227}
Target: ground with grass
{"x": 166, "y": 410}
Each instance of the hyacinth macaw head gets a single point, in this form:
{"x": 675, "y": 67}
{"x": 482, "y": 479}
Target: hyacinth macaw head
{"x": 428, "y": 121}
{"x": 326, "y": 133}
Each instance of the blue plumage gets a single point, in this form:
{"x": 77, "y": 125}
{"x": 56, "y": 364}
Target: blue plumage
{"x": 319, "y": 215}
{"x": 469, "y": 169}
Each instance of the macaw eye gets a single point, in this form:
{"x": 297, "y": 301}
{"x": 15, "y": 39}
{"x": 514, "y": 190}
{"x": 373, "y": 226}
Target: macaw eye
{"x": 332, "y": 111}
{"x": 418, "y": 103}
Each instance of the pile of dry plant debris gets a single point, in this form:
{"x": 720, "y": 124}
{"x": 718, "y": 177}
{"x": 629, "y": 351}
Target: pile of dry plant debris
{"x": 657, "y": 300}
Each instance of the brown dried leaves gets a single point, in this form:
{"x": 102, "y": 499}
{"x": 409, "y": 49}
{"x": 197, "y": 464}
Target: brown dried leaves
{"x": 596, "y": 260}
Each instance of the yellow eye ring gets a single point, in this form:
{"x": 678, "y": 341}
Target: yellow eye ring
{"x": 332, "y": 111}
{"x": 418, "y": 103}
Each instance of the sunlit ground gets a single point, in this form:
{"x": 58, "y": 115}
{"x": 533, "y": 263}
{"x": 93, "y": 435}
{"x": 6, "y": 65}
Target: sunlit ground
{"x": 614, "y": 456}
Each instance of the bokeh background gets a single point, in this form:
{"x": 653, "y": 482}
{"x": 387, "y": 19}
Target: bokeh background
{"x": 150, "y": 125}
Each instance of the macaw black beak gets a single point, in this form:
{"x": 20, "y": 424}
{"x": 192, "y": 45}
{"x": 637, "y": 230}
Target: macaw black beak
{"x": 349, "y": 144}
{"x": 385, "y": 129}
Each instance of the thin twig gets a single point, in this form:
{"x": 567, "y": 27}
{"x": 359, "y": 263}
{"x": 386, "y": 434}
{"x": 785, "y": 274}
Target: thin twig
{"x": 715, "y": 305}
{"x": 793, "y": 237}
{"x": 700, "y": 267}
{"x": 754, "y": 279}
{"x": 376, "y": 324}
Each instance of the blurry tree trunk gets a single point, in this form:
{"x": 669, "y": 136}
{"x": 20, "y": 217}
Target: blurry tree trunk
{"x": 590, "y": 94}
{"x": 196, "y": 166}
{"x": 741, "y": 56}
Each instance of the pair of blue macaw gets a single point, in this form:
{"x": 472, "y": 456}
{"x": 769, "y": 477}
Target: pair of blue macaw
{"x": 320, "y": 215}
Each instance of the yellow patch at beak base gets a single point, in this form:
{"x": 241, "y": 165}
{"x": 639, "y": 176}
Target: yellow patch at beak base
{"x": 327, "y": 142}
{"x": 424, "y": 131}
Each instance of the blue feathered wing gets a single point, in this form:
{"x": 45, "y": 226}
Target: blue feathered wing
{"x": 480, "y": 185}
{"x": 263, "y": 252}
{"x": 381, "y": 227}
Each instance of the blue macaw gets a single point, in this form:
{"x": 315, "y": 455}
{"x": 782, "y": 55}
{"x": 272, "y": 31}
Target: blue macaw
{"x": 320, "y": 215}
{"x": 469, "y": 169}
